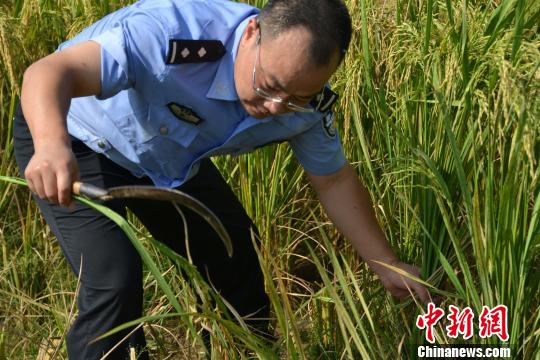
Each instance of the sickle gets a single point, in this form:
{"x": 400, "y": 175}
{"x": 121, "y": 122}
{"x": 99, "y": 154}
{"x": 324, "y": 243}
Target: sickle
{"x": 154, "y": 193}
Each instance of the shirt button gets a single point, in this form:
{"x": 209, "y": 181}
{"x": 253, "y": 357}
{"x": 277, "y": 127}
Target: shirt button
{"x": 101, "y": 144}
{"x": 163, "y": 130}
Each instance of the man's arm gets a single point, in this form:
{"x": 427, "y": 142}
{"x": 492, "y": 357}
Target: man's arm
{"x": 48, "y": 87}
{"x": 348, "y": 204}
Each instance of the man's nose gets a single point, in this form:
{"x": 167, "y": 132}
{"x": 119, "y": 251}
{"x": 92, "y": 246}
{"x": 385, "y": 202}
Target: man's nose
{"x": 276, "y": 108}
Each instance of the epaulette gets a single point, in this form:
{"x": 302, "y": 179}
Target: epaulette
{"x": 324, "y": 100}
{"x": 194, "y": 51}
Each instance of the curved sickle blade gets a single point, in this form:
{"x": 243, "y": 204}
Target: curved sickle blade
{"x": 153, "y": 193}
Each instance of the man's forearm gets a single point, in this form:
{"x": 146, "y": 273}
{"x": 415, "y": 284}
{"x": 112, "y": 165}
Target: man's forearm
{"x": 349, "y": 206}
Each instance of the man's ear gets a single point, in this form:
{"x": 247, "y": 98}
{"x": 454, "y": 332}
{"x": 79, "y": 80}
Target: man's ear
{"x": 250, "y": 33}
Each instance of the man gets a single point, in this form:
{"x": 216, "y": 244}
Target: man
{"x": 145, "y": 96}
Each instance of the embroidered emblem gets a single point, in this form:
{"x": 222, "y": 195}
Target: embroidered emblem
{"x": 328, "y": 124}
{"x": 324, "y": 100}
{"x": 194, "y": 51}
{"x": 184, "y": 113}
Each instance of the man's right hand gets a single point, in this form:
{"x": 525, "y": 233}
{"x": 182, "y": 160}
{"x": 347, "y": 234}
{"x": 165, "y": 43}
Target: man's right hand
{"x": 51, "y": 173}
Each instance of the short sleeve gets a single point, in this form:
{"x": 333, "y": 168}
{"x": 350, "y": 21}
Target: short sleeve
{"x": 132, "y": 54}
{"x": 319, "y": 149}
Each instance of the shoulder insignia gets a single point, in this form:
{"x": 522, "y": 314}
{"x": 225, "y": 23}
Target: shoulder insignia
{"x": 194, "y": 51}
{"x": 184, "y": 113}
{"x": 324, "y": 100}
{"x": 328, "y": 124}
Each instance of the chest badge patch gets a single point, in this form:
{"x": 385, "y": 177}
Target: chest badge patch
{"x": 184, "y": 113}
{"x": 194, "y": 51}
{"x": 328, "y": 124}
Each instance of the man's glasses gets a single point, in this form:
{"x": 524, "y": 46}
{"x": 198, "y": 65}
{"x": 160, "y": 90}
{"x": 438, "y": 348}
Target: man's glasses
{"x": 291, "y": 105}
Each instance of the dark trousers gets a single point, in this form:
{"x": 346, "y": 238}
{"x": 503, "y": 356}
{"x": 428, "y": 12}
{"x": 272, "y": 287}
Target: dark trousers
{"x": 111, "y": 276}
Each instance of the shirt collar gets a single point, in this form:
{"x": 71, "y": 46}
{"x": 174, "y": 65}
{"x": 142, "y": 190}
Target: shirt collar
{"x": 223, "y": 87}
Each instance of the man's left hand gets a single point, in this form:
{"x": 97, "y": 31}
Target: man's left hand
{"x": 399, "y": 285}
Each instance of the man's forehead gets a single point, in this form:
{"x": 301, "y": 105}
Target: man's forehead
{"x": 293, "y": 46}
{"x": 288, "y": 69}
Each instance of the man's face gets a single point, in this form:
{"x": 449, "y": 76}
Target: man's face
{"x": 282, "y": 70}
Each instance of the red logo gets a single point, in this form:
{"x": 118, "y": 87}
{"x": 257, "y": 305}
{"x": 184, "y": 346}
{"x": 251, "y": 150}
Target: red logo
{"x": 491, "y": 322}
{"x": 494, "y": 322}
{"x": 429, "y": 320}
{"x": 460, "y": 322}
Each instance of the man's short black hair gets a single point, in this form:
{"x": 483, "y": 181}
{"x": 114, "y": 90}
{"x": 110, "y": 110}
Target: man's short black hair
{"x": 327, "y": 20}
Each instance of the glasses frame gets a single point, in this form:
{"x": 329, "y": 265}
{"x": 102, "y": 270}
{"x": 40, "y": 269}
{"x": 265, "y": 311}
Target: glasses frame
{"x": 275, "y": 99}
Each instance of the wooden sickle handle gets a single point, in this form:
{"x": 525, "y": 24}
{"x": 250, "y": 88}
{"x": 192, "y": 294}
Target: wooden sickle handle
{"x": 88, "y": 190}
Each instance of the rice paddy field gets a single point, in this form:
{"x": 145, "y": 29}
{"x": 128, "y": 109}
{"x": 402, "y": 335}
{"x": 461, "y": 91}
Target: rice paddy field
{"x": 439, "y": 113}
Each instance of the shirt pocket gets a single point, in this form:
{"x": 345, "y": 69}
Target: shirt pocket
{"x": 167, "y": 127}
{"x": 152, "y": 125}
{"x": 166, "y": 143}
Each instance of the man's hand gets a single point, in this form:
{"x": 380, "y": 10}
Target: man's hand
{"x": 349, "y": 206}
{"x": 51, "y": 172}
{"x": 401, "y": 286}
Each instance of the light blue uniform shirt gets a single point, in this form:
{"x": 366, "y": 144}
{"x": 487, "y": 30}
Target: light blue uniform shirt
{"x": 130, "y": 122}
